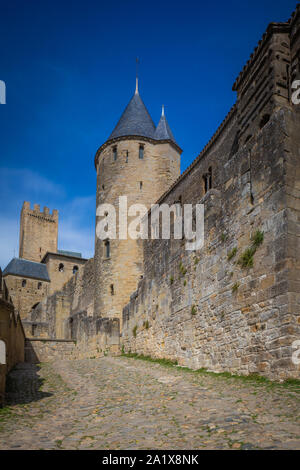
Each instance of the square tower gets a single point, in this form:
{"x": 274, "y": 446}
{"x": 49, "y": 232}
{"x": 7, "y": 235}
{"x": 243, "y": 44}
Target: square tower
{"x": 38, "y": 232}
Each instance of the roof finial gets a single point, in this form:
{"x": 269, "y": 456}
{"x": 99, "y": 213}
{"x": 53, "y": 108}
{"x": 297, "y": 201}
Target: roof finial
{"x": 163, "y": 110}
{"x": 137, "y": 77}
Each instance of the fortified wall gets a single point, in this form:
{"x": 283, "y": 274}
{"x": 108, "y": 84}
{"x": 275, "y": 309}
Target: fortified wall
{"x": 63, "y": 323}
{"x": 234, "y": 304}
{"x": 12, "y": 338}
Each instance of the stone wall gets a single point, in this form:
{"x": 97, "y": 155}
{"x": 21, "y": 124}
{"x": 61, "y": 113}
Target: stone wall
{"x": 203, "y": 308}
{"x": 12, "y": 334}
{"x": 142, "y": 181}
{"x": 47, "y": 350}
{"x": 25, "y": 297}
{"x": 66, "y": 319}
{"x": 61, "y": 269}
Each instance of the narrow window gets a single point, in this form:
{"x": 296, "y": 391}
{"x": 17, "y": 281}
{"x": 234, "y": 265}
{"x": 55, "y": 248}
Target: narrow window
{"x": 33, "y": 327}
{"x": 75, "y": 269}
{"x": 112, "y": 290}
{"x": 209, "y": 178}
{"x": 264, "y": 120}
{"x": 24, "y": 283}
{"x": 141, "y": 152}
{"x": 103, "y": 186}
{"x": 107, "y": 249}
{"x": 205, "y": 186}
{"x": 115, "y": 152}
{"x": 126, "y": 159}
{"x": 141, "y": 185}
{"x": 61, "y": 268}
{"x": 39, "y": 285}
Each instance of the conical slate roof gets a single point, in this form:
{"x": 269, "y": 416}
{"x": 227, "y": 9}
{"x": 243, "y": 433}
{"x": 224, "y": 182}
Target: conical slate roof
{"x": 135, "y": 120}
{"x": 163, "y": 131}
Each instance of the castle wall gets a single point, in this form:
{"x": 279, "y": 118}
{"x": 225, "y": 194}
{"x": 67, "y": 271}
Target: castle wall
{"x": 60, "y": 269}
{"x": 38, "y": 232}
{"x": 142, "y": 181}
{"x": 63, "y": 325}
{"x": 12, "y": 333}
{"x": 203, "y": 308}
{"x": 25, "y": 297}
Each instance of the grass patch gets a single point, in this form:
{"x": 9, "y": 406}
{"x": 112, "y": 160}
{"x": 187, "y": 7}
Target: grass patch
{"x": 146, "y": 324}
{"x": 163, "y": 362}
{"x": 257, "y": 238}
{"x": 134, "y": 330}
{"x": 235, "y": 287}
{"x": 182, "y": 269}
{"x": 232, "y": 253}
{"x": 246, "y": 259}
{"x": 193, "y": 310}
{"x": 171, "y": 280}
{"x": 254, "y": 379}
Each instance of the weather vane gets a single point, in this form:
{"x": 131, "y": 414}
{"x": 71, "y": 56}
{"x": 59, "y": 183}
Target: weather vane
{"x": 136, "y": 75}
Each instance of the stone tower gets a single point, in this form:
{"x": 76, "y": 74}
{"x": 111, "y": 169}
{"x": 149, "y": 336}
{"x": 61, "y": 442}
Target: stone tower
{"x": 38, "y": 232}
{"x": 141, "y": 162}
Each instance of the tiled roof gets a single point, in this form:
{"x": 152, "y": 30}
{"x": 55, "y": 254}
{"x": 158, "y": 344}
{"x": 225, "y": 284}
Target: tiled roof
{"x": 26, "y": 268}
{"x": 74, "y": 254}
{"x": 135, "y": 120}
{"x": 163, "y": 131}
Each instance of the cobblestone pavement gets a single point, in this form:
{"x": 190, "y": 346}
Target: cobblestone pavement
{"x": 124, "y": 403}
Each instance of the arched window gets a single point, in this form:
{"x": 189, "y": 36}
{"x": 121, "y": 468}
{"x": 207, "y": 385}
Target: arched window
{"x": 126, "y": 158}
{"x": 115, "y": 153}
{"x": 24, "y": 283}
{"x": 75, "y": 269}
{"x": 39, "y": 285}
{"x": 61, "y": 268}
{"x": 112, "y": 290}
{"x": 2, "y": 352}
{"x": 107, "y": 248}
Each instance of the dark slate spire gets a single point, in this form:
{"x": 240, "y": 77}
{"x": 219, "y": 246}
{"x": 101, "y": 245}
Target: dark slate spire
{"x": 135, "y": 120}
{"x": 163, "y": 131}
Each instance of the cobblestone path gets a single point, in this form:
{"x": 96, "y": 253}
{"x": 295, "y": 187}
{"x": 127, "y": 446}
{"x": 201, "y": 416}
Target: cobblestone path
{"x": 124, "y": 403}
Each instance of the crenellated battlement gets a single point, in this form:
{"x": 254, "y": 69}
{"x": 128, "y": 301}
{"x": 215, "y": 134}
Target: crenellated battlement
{"x": 36, "y": 212}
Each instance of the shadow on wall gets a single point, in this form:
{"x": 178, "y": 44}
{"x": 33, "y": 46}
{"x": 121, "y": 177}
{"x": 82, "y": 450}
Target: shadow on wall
{"x": 24, "y": 385}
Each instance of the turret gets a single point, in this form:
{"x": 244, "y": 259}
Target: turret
{"x": 138, "y": 161}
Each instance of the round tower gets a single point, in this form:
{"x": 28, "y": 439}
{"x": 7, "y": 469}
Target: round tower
{"x": 139, "y": 161}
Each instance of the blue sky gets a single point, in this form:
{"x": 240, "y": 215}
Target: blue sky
{"x": 69, "y": 69}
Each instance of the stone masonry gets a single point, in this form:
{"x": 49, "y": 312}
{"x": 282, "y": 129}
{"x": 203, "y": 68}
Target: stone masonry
{"x": 38, "y": 232}
{"x": 233, "y": 305}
